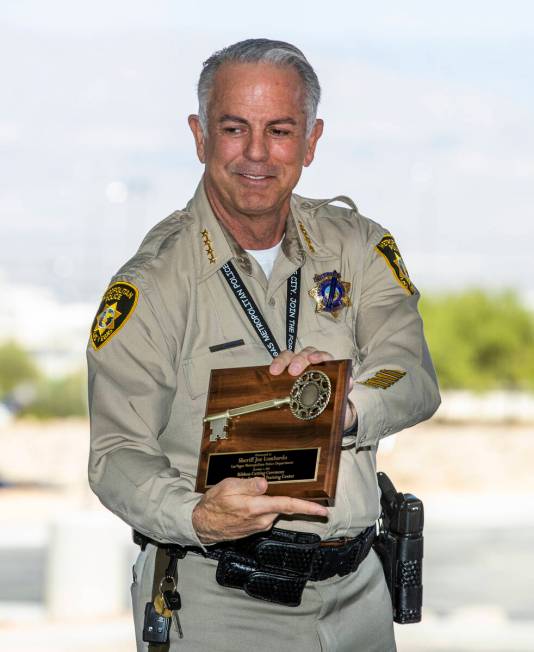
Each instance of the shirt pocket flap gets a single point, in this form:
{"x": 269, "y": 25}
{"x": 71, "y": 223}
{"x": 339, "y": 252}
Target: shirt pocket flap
{"x": 197, "y": 369}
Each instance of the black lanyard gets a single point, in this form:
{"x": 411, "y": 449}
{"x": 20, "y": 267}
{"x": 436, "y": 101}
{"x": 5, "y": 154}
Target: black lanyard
{"x": 254, "y": 315}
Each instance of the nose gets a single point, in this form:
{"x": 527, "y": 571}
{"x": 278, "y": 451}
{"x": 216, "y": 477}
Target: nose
{"x": 257, "y": 148}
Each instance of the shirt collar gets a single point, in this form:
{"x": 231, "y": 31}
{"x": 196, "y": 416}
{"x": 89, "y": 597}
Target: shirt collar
{"x": 305, "y": 222}
{"x": 217, "y": 245}
{"x": 215, "y": 248}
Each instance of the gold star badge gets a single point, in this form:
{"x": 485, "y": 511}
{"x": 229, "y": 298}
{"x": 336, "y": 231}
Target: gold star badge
{"x": 331, "y": 294}
{"x": 106, "y": 319}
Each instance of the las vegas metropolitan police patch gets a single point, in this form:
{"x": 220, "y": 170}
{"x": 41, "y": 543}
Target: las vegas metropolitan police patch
{"x": 388, "y": 248}
{"x": 118, "y": 303}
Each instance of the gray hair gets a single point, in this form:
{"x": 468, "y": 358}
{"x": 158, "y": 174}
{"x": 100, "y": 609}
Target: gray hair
{"x": 260, "y": 50}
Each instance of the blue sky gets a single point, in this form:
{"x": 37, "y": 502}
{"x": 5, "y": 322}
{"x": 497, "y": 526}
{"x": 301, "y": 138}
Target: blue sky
{"x": 476, "y": 19}
{"x": 428, "y": 110}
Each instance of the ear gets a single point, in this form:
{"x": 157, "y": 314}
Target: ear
{"x": 316, "y": 133}
{"x": 198, "y": 135}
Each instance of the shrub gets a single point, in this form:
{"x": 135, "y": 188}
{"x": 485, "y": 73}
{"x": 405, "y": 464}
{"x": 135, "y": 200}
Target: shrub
{"x": 480, "y": 341}
{"x": 16, "y": 368}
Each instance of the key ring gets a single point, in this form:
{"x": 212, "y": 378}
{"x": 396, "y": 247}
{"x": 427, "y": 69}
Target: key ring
{"x": 169, "y": 580}
{"x": 310, "y": 394}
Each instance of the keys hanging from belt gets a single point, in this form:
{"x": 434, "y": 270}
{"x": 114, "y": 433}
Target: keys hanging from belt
{"x": 166, "y": 602}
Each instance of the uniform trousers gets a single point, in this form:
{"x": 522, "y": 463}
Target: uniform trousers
{"x": 341, "y": 614}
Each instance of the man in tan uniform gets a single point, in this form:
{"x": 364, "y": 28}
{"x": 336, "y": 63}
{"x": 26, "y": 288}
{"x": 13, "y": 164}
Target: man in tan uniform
{"x": 170, "y": 316}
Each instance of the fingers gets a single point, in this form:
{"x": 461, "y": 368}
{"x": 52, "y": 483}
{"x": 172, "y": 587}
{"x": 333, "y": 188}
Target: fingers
{"x": 296, "y": 363}
{"x": 260, "y": 504}
{"x": 234, "y": 486}
{"x": 280, "y": 362}
{"x": 286, "y": 505}
{"x": 235, "y": 508}
{"x": 304, "y": 358}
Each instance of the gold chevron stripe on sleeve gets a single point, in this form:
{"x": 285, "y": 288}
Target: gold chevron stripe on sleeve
{"x": 383, "y": 379}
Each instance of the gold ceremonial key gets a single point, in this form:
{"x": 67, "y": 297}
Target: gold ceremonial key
{"x": 308, "y": 398}
{"x": 160, "y": 606}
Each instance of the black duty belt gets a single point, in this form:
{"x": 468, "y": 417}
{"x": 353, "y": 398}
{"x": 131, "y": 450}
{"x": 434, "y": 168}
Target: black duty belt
{"x": 275, "y": 566}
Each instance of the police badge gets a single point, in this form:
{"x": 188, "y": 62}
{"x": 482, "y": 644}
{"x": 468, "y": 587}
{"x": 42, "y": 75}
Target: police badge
{"x": 330, "y": 293}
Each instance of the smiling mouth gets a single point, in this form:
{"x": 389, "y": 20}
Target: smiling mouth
{"x": 255, "y": 177}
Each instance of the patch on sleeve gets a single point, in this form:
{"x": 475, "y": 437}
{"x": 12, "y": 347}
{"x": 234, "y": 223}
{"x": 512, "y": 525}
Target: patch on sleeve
{"x": 383, "y": 378}
{"x": 388, "y": 248}
{"x": 118, "y": 304}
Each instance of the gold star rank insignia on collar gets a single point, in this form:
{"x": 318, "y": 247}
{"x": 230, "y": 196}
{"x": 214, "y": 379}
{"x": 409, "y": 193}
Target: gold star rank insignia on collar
{"x": 118, "y": 303}
{"x": 208, "y": 246}
{"x": 331, "y": 294}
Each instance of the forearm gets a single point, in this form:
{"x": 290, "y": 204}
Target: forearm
{"x": 146, "y": 492}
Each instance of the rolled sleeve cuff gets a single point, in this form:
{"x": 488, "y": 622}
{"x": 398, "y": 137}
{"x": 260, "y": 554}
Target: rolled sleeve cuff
{"x": 371, "y": 415}
{"x": 178, "y": 517}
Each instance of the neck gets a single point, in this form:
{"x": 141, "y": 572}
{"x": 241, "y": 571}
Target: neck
{"x": 251, "y": 231}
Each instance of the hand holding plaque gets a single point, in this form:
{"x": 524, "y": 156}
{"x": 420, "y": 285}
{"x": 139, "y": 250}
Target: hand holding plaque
{"x": 292, "y": 436}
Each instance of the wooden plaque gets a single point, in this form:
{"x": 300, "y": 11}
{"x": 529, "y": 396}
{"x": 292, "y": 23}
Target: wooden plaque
{"x": 295, "y": 446}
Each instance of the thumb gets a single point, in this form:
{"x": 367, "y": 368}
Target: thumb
{"x": 257, "y": 485}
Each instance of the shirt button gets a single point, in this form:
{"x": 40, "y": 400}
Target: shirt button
{"x": 272, "y": 301}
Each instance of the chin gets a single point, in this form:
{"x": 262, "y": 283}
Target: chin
{"x": 256, "y": 209}
{"x": 255, "y": 205}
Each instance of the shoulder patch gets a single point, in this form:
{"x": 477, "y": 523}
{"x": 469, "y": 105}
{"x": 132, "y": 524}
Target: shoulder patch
{"x": 383, "y": 378}
{"x": 388, "y": 248}
{"x": 118, "y": 304}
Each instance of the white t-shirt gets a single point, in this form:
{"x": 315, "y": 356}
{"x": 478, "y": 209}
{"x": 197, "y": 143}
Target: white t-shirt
{"x": 265, "y": 257}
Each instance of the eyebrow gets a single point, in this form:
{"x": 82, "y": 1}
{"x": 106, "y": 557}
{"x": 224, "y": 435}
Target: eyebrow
{"x": 236, "y": 118}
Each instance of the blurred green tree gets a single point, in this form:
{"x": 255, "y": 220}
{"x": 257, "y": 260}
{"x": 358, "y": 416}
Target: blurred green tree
{"x": 16, "y": 368}
{"x": 59, "y": 397}
{"x": 480, "y": 341}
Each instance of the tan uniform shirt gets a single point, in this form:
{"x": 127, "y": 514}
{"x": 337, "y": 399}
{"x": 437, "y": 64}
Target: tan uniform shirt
{"x": 148, "y": 382}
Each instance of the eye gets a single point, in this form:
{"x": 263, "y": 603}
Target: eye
{"x": 279, "y": 133}
{"x": 234, "y": 131}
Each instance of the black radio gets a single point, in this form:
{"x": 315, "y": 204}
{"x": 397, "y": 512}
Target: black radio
{"x": 400, "y": 547}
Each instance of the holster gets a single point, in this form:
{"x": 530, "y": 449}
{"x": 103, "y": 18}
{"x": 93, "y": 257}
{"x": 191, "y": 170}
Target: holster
{"x": 242, "y": 572}
{"x": 275, "y": 567}
{"x": 400, "y": 548}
